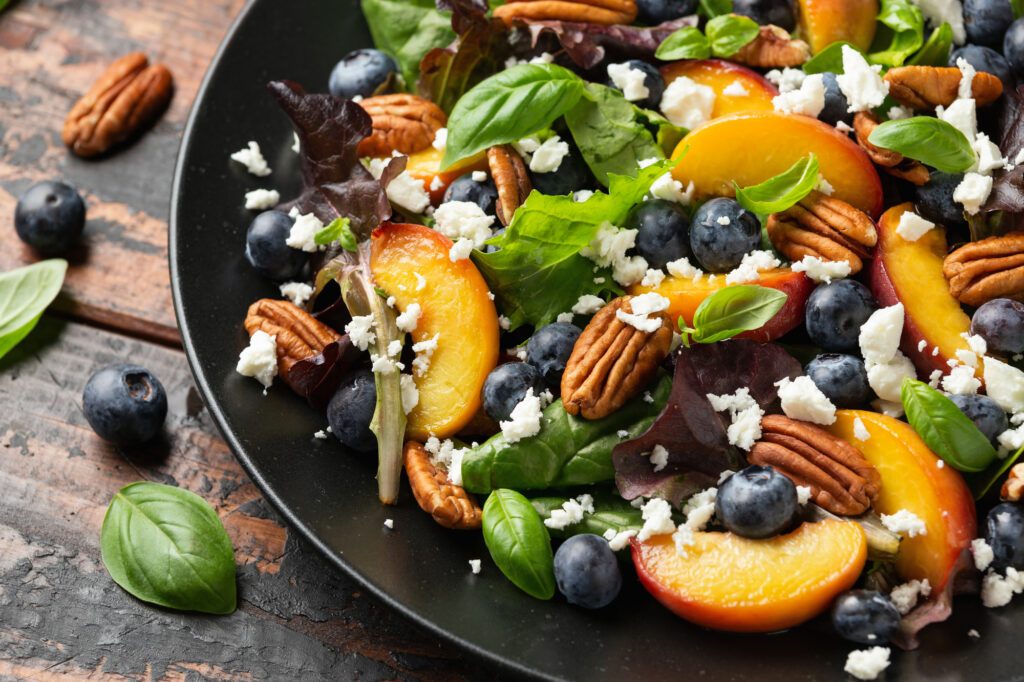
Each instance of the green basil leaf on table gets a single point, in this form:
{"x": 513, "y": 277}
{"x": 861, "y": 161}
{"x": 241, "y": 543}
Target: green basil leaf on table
{"x": 947, "y": 431}
{"x": 568, "y": 450}
{"x": 166, "y": 546}
{"x": 900, "y": 33}
{"x": 736, "y": 309}
{"x": 829, "y": 59}
{"x": 686, "y": 43}
{"x": 24, "y": 295}
{"x": 338, "y": 231}
{"x": 936, "y": 49}
{"x": 407, "y": 30}
{"x": 981, "y": 482}
{"x": 508, "y": 106}
{"x": 611, "y": 512}
{"x": 928, "y": 140}
{"x": 728, "y": 33}
{"x": 519, "y": 543}
{"x": 782, "y": 191}
{"x": 714, "y": 8}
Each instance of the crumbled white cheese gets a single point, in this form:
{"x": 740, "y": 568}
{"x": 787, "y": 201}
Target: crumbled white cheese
{"x": 570, "y": 513}
{"x": 629, "y": 80}
{"x": 382, "y": 364}
{"x": 867, "y": 664}
{"x": 844, "y": 127}
{"x": 296, "y": 292}
{"x": 904, "y": 522}
{"x": 642, "y": 306}
{"x": 619, "y": 540}
{"x": 824, "y": 186}
{"x": 303, "y": 232}
{"x": 1004, "y": 384}
{"x": 360, "y": 331}
{"x": 320, "y": 435}
{"x": 463, "y": 220}
{"x": 751, "y": 266}
{"x": 436, "y": 184}
{"x": 973, "y": 191}
{"x": 588, "y": 304}
{"x": 787, "y": 79}
{"x": 296, "y": 145}
{"x": 548, "y": 157}
{"x": 461, "y": 250}
{"x": 860, "y": 82}
{"x": 988, "y": 156}
{"x": 880, "y": 334}
{"x": 440, "y": 139}
{"x": 252, "y": 159}
{"x": 821, "y": 271}
{"x": 997, "y": 590}
{"x": 527, "y": 146}
{"x": 657, "y": 516}
{"x": 886, "y": 378}
{"x": 648, "y": 398}
{"x": 935, "y": 378}
{"x": 682, "y": 537}
{"x": 682, "y": 268}
{"x": 524, "y": 420}
{"x": 609, "y": 247}
{"x": 259, "y": 359}
{"x": 938, "y": 12}
{"x": 686, "y": 103}
{"x": 424, "y": 351}
{"x": 262, "y": 199}
{"x": 898, "y": 112}
{"x": 982, "y": 552}
{"x": 967, "y": 74}
{"x": 975, "y": 343}
{"x": 407, "y": 320}
{"x": 700, "y": 509}
{"x": 745, "y": 416}
{"x": 408, "y": 192}
{"x": 904, "y": 597}
{"x": 421, "y": 281}
{"x": 736, "y": 89}
{"x": 659, "y": 458}
{"x": 889, "y": 408}
{"x": 653, "y": 278}
{"x": 581, "y": 195}
{"x": 565, "y": 318}
{"x": 1010, "y": 440}
{"x": 479, "y": 176}
{"x": 474, "y": 566}
{"x": 912, "y": 226}
{"x": 410, "y": 394}
{"x": 389, "y": 523}
{"x": 504, "y": 322}
{"x": 803, "y": 400}
{"x": 962, "y": 115}
{"x": 665, "y": 187}
{"x": 722, "y": 220}
{"x": 860, "y": 431}
{"x": 809, "y": 100}
{"x": 961, "y": 381}
{"x": 973, "y": 634}
{"x": 803, "y": 495}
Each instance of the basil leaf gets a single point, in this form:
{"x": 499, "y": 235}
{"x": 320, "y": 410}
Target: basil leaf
{"x": 24, "y": 295}
{"x": 829, "y": 59}
{"x": 931, "y": 141}
{"x": 714, "y": 8}
{"x": 166, "y": 546}
{"x": 519, "y": 543}
{"x": 728, "y": 33}
{"x": 980, "y": 483}
{"x": 611, "y": 512}
{"x": 568, "y": 450}
{"x": 407, "y": 30}
{"x": 1018, "y": 8}
{"x": 900, "y": 33}
{"x": 508, "y": 106}
{"x": 936, "y": 50}
{"x": 338, "y": 231}
{"x": 608, "y": 132}
{"x": 944, "y": 428}
{"x": 782, "y": 191}
{"x": 686, "y": 43}
{"x": 735, "y": 309}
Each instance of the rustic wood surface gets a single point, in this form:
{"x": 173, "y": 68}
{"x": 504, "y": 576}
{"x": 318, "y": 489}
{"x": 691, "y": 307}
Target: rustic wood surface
{"x": 61, "y": 616}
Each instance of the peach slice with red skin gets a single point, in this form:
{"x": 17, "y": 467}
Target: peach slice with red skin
{"x": 719, "y": 74}
{"x": 911, "y": 273}
{"x": 731, "y": 583}
{"x": 426, "y": 166}
{"x": 913, "y": 478}
{"x": 685, "y": 294}
{"x": 454, "y": 306}
{"x": 823, "y": 22}
{"x": 750, "y": 147}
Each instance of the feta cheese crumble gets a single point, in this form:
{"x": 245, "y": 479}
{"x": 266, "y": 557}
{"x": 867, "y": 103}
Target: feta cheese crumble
{"x": 912, "y": 226}
{"x": 320, "y": 435}
{"x": 744, "y": 414}
{"x": 735, "y": 89}
{"x": 608, "y": 249}
{"x": 302, "y": 234}
{"x": 886, "y": 378}
{"x": 861, "y": 82}
{"x": 787, "y": 79}
{"x": 1004, "y": 384}
{"x": 961, "y": 381}
{"x": 629, "y": 80}
{"x": 360, "y": 331}
{"x": 252, "y": 159}
{"x": 440, "y": 139}
{"x": 803, "y": 400}
{"x": 570, "y": 513}
{"x": 751, "y": 266}
{"x": 803, "y": 495}
{"x": 424, "y": 351}
{"x": 618, "y": 540}
{"x": 407, "y": 320}
{"x": 904, "y": 597}
{"x": 659, "y": 458}
{"x": 474, "y": 566}
{"x": 548, "y": 157}
{"x": 867, "y": 664}
{"x": 667, "y": 188}
{"x": 904, "y": 522}
{"x": 389, "y": 523}
{"x": 463, "y": 220}
{"x": 296, "y": 292}
{"x": 973, "y": 191}
{"x": 938, "y": 12}
{"x": 588, "y": 304}
{"x": 524, "y": 420}
{"x": 879, "y": 338}
{"x": 821, "y": 270}
{"x": 410, "y": 394}
{"x": 809, "y": 100}
{"x": 983, "y": 554}
{"x": 657, "y": 516}
{"x": 461, "y": 250}
{"x": 860, "y": 432}
{"x": 479, "y": 176}
{"x": 700, "y": 509}
{"x": 687, "y": 104}
{"x": 259, "y": 359}
{"x": 642, "y": 306}
{"x": 997, "y": 590}
{"x": 262, "y": 199}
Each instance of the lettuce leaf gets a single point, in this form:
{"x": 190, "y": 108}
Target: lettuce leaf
{"x": 407, "y": 30}
{"x": 588, "y": 44}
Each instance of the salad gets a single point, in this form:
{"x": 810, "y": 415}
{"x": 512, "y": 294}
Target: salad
{"x": 725, "y": 292}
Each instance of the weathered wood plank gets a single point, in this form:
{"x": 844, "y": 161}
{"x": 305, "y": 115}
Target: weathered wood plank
{"x": 62, "y": 617}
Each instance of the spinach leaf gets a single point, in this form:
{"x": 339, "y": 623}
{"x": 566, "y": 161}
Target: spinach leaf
{"x": 407, "y": 30}
{"x": 829, "y": 59}
{"x": 714, "y": 8}
{"x": 900, "y": 33}
{"x": 519, "y": 543}
{"x": 666, "y": 134}
{"x": 568, "y": 450}
{"x": 981, "y": 482}
{"x": 729, "y": 32}
{"x": 782, "y": 191}
{"x": 166, "y": 546}
{"x": 609, "y": 134}
{"x": 936, "y": 49}
{"x": 686, "y": 43}
{"x": 611, "y": 512}
{"x": 736, "y": 309}
{"x": 924, "y": 138}
{"x": 944, "y": 428}
{"x": 24, "y": 295}
{"x": 338, "y": 231}
{"x": 508, "y": 106}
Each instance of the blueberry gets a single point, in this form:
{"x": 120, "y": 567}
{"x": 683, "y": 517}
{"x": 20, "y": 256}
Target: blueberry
{"x": 587, "y": 572}
{"x": 266, "y": 250}
{"x": 507, "y": 385}
{"x": 836, "y": 105}
{"x": 984, "y": 59}
{"x": 464, "y": 188}
{"x": 842, "y": 378}
{"x": 124, "y": 404}
{"x": 490, "y": 248}
{"x": 653, "y": 81}
{"x": 49, "y": 216}
{"x": 1004, "y": 533}
{"x": 549, "y": 349}
{"x": 865, "y": 617}
{"x": 984, "y": 412}
{"x": 1013, "y": 47}
{"x": 778, "y": 12}
{"x": 986, "y": 21}
{"x": 653, "y": 12}
{"x": 757, "y": 502}
{"x": 573, "y": 174}
{"x": 835, "y": 313}
{"x": 721, "y": 233}
{"x": 663, "y": 232}
{"x": 1001, "y": 323}
{"x": 351, "y": 408}
{"x": 365, "y": 72}
{"x": 934, "y": 200}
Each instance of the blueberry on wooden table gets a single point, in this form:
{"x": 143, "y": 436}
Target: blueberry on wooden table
{"x": 721, "y": 233}
{"x": 835, "y": 312}
{"x": 663, "y": 232}
{"x": 865, "y": 617}
{"x": 986, "y": 21}
{"x": 49, "y": 216}
{"x": 934, "y": 200}
{"x": 837, "y": 107}
{"x": 842, "y": 378}
{"x": 125, "y": 404}
{"x": 506, "y": 386}
{"x": 549, "y": 349}
{"x": 483, "y": 193}
{"x": 984, "y": 59}
{"x": 653, "y": 12}
{"x": 587, "y": 572}
{"x": 351, "y": 409}
{"x": 364, "y": 72}
{"x": 984, "y": 412}
{"x": 1001, "y": 323}
{"x": 266, "y": 248}
{"x": 757, "y": 502}
{"x": 638, "y": 81}
{"x": 1004, "y": 533}
{"x": 782, "y": 13}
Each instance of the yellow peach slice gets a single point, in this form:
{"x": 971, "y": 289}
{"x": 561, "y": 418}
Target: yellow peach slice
{"x": 720, "y": 76}
{"x": 823, "y": 22}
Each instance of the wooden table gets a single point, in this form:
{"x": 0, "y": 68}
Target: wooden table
{"x": 61, "y": 616}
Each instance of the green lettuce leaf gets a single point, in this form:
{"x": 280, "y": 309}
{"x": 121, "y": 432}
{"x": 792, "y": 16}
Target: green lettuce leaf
{"x": 407, "y": 30}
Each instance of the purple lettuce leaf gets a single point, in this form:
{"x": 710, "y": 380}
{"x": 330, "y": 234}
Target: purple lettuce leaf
{"x": 938, "y": 607}
{"x": 316, "y": 378}
{"x": 689, "y": 428}
{"x": 587, "y": 44}
{"x": 1004, "y": 210}
{"x": 465, "y": 13}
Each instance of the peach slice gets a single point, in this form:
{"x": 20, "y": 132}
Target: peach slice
{"x": 732, "y": 583}
{"x": 913, "y": 479}
{"x": 719, "y": 74}
{"x": 426, "y": 166}
{"x": 751, "y": 147}
{"x": 823, "y": 22}
{"x": 911, "y": 273}
{"x": 685, "y": 294}
{"x": 455, "y": 307}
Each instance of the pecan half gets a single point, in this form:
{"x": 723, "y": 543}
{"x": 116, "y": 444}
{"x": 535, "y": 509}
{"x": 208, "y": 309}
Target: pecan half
{"x": 926, "y": 87}
{"x": 449, "y": 504}
{"x": 612, "y": 361}
{"x": 401, "y": 123}
{"x": 840, "y": 478}
{"x": 1013, "y": 486}
{"x": 299, "y": 334}
{"x": 605, "y": 12}
{"x": 129, "y": 95}
{"x": 773, "y": 48}
{"x": 990, "y": 268}
{"x": 825, "y": 227}
{"x": 891, "y": 162}
{"x": 511, "y": 179}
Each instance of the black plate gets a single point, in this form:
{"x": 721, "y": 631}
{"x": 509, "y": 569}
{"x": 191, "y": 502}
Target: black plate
{"x": 419, "y": 568}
